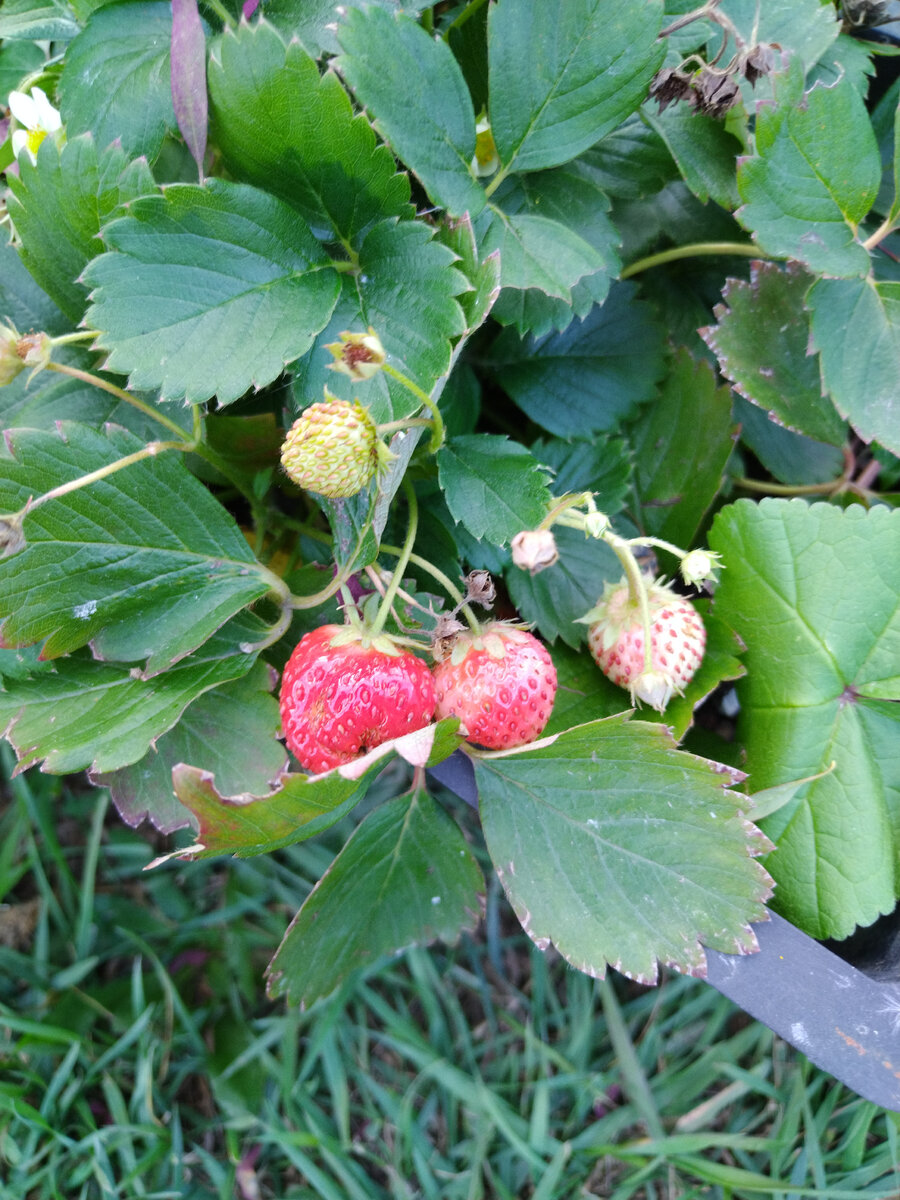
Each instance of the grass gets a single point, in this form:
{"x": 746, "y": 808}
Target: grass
{"x": 139, "y": 1056}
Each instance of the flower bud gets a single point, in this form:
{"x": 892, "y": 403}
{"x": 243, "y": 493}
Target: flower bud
{"x": 654, "y": 688}
{"x": 596, "y": 523}
{"x": 359, "y": 355}
{"x": 699, "y": 567}
{"x": 11, "y": 362}
{"x": 486, "y": 160}
{"x": 534, "y": 550}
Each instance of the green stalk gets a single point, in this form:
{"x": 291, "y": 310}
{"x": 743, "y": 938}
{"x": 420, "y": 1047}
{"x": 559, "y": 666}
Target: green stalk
{"x": 127, "y": 398}
{"x": 222, "y": 13}
{"x": 693, "y": 250}
{"x": 148, "y": 451}
{"x": 437, "y": 438}
{"x": 469, "y": 11}
{"x": 402, "y": 562}
{"x": 636, "y": 587}
{"x": 450, "y": 588}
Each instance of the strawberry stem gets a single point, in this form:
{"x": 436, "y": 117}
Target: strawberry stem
{"x": 637, "y": 587}
{"x": 437, "y": 421}
{"x": 96, "y": 381}
{"x": 402, "y": 562}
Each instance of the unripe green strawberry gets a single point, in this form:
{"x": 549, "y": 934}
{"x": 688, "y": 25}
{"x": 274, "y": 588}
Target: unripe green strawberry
{"x": 616, "y": 642}
{"x": 332, "y": 448}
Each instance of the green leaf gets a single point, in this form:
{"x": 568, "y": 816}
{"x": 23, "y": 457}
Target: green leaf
{"x": 583, "y": 692}
{"x": 354, "y": 544}
{"x": 592, "y": 376}
{"x": 804, "y": 28}
{"x": 814, "y": 594}
{"x": 279, "y": 125}
{"x": 789, "y": 457}
{"x": 493, "y": 486}
{"x": 601, "y": 465}
{"x": 619, "y": 849}
{"x": 17, "y": 60}
{"x": 49, "y": 399}
{"x": 102, "y": 716}
{"x": 303, "y": 805}
{"x": 59, "y": 206}
{"x": 314, "y": 22}
{"x": 209, "y": 291}
{"x": 762, "y": 344}
{"x": 483, "y": 274}
{"x": 248, "y": 825}
{"x": 564, "y": 73}
{"x": 805, "y": 191}
{"x": 22, "y": 301}
{"x": 703, "y": 149}
{"x": 856, "y": 329}
{"x": 413, "y": 87}
{"x": 242, "y": 713}
{"x": 406, "y": 877}
{"x": 115, "y": 79}
{"x": 632, "y": 161}
{"x": 680, "y": 449}
{"x": 144, "y": 563}
{"x": 536, "y": 252}
{"x": 848, "y": 56}
{"x": 555, "y": 598}
{"x": 406, "y": 288}
{"x": 52, "y": 20}
{"x": 571, "y": 196}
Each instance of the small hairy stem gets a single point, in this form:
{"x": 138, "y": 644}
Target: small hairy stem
{"x": 222, "y": 13}
{"x": 318, "y": 598}
{"x": 119, "y": 393}
{"x": 149, "y": 451}
{"x": 82, "y": 335}
{"x": 787, "y": 489}
{"x": 887, "y": 226}
{"x": 659, "y": 544}
{"x": 402, "y": 562}
{"x": 868, "y": 475}
{"x": 437, "y": 437}
{"x": 469, "y": 11}
{"x": 450, "y": 588}
{"x": 636, "y": 586}
{"x": 275, "y": 634}
{"x": 694, "y": 250}
{"x": 379, "y": 586}
{"x": 406, "y": 423}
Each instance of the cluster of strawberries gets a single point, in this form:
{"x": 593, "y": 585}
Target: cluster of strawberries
{"x": 343, "y": 693}
{"x": 346, "y": 689}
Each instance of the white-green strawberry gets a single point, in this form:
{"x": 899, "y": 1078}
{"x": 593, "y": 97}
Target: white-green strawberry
{"x": 616, "y": 641}
{"x": 333, "y": 448}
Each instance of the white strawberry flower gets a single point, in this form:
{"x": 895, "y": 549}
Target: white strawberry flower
{"x": 36, "y": 118}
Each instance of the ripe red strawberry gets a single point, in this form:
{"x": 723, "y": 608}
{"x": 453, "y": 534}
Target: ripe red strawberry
{"x": 500, "y": 683}
{"x": 616, "y": 641}
{"x": 343, "y": 694}
{"x": 332, "y": 448}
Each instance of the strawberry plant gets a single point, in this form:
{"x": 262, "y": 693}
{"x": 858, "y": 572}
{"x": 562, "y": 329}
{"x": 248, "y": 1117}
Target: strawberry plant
{"x": 354, "y": 355}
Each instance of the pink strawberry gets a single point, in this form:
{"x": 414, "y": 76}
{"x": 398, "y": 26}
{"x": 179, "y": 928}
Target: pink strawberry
{"x": 343, "y": 694}
{"x": 616, "y": 642}
{"x": 501, "y": 684}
